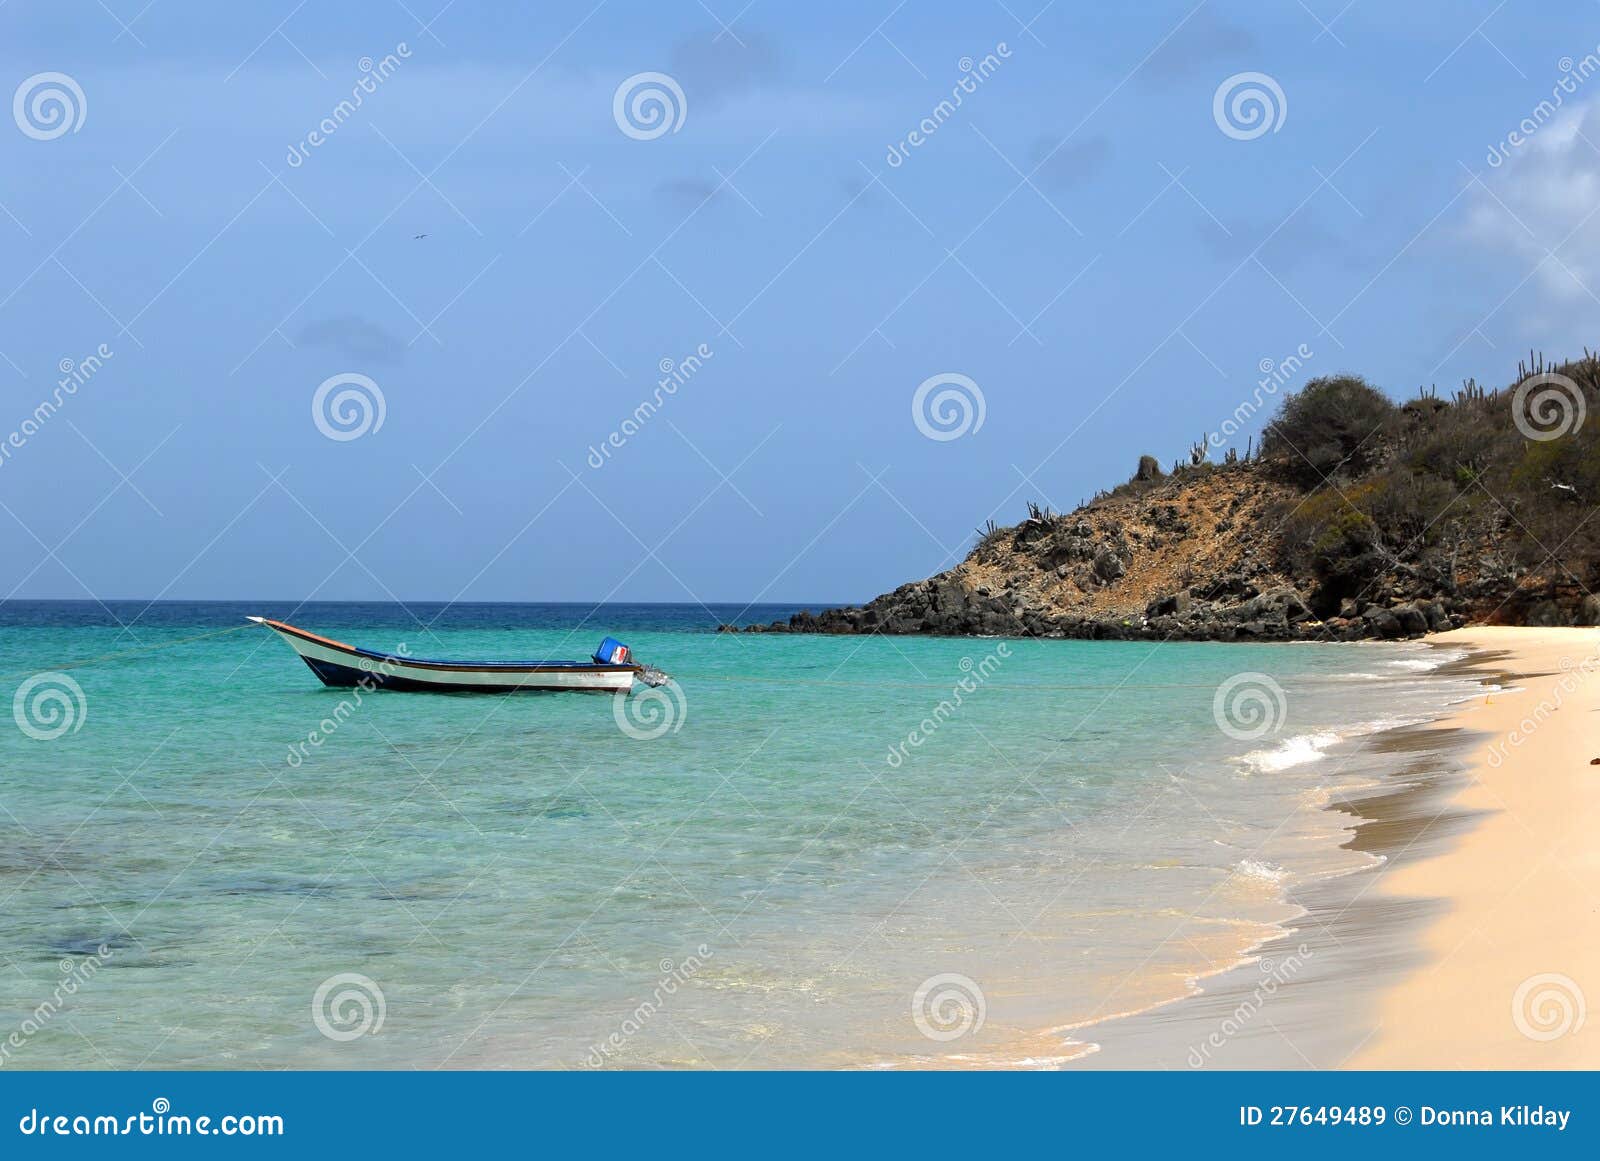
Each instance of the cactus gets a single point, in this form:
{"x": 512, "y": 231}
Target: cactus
{"x": 1471, "y": 394}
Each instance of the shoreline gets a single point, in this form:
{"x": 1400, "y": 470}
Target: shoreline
{"x": 1514, "y": 955}
{"x": 1471, "y": 941}
{"x": 1302, "y": 997}
{"x": 1296, "y": 988}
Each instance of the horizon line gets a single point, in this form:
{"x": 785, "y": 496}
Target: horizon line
{"x": 386, "y": 601}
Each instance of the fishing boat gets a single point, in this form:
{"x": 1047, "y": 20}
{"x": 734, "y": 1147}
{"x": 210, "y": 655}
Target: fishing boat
{"x": 611, "y": 669}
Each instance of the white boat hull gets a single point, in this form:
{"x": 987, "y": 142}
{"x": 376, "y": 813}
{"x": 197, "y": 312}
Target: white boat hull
{"x": 338, "y": 664}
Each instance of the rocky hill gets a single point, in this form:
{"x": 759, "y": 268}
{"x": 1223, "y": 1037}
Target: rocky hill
{"x": 1358, "y": 519}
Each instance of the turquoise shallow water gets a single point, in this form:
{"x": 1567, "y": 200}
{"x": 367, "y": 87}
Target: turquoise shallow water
{"x": 528, "y": 881}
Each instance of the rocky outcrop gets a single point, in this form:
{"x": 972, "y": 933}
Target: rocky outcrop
{"x": 937, "y": 608}
{"x": 1354, "y": 518}
{"x": 1186, "y": 558}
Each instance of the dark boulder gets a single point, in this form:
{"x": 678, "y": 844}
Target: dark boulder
{"x": 1546, "y": 614}
{"x": 1169, "y": 605}
{"x": 1381, "y": 622}
{"x": 1279, "y": 606}
{"x": 1235, "y": 585}
{"x": 1108, "y": 566}
{"x": 1413, "y": 622}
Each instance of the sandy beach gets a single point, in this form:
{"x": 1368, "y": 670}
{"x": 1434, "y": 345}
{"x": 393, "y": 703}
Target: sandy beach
{"x": 1473, "y": 941}
{"x": 1513, "y": 959}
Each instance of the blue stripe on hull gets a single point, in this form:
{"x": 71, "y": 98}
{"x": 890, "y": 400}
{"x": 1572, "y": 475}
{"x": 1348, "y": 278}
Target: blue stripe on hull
{"x": 346, "y": 676}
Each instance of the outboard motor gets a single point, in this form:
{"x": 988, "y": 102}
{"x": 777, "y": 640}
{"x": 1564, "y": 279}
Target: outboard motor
{"x": 613, "y": 652}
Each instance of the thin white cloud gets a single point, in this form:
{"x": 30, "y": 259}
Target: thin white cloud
{"x": 1541, "y": 205}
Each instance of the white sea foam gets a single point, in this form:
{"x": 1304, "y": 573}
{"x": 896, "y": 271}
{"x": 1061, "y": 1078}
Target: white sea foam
{"x": 1433, "y": 660}
{"x": 1295, "y": 751}
{"x": 1258, "y": 869}
{"x": 1302, "y": 749}
{"x": 1379, "y": 725}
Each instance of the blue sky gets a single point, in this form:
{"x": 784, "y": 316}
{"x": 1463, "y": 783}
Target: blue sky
{"x": 1081, "y": 239}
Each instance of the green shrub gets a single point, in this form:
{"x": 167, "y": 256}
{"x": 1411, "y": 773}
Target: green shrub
{"x": 1338, "y": 426}
{"x": 1409, "y": 507}
{"x": 1345, "y": 538}
{"x": 1455, "y": 444}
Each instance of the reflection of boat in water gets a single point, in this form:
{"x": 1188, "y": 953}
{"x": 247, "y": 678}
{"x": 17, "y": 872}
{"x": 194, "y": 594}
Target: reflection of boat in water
{"x": 611, "y": 669}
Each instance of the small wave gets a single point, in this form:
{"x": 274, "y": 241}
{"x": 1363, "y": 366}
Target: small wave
{"x": 1295, "y": 751}
{"x": 1258, "y": 869}
{"x": 1433, "y": 660}
{"x": 1380, "y": 725}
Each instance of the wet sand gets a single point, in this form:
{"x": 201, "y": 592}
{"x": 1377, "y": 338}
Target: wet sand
{"x": 1473, "y": 941}
{"x": 1307, "y": 997}
{"x": 1511, "y": 962}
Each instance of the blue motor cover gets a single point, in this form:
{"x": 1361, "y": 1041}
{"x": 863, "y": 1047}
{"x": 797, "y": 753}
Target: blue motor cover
{"x": 613, "y": 652}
